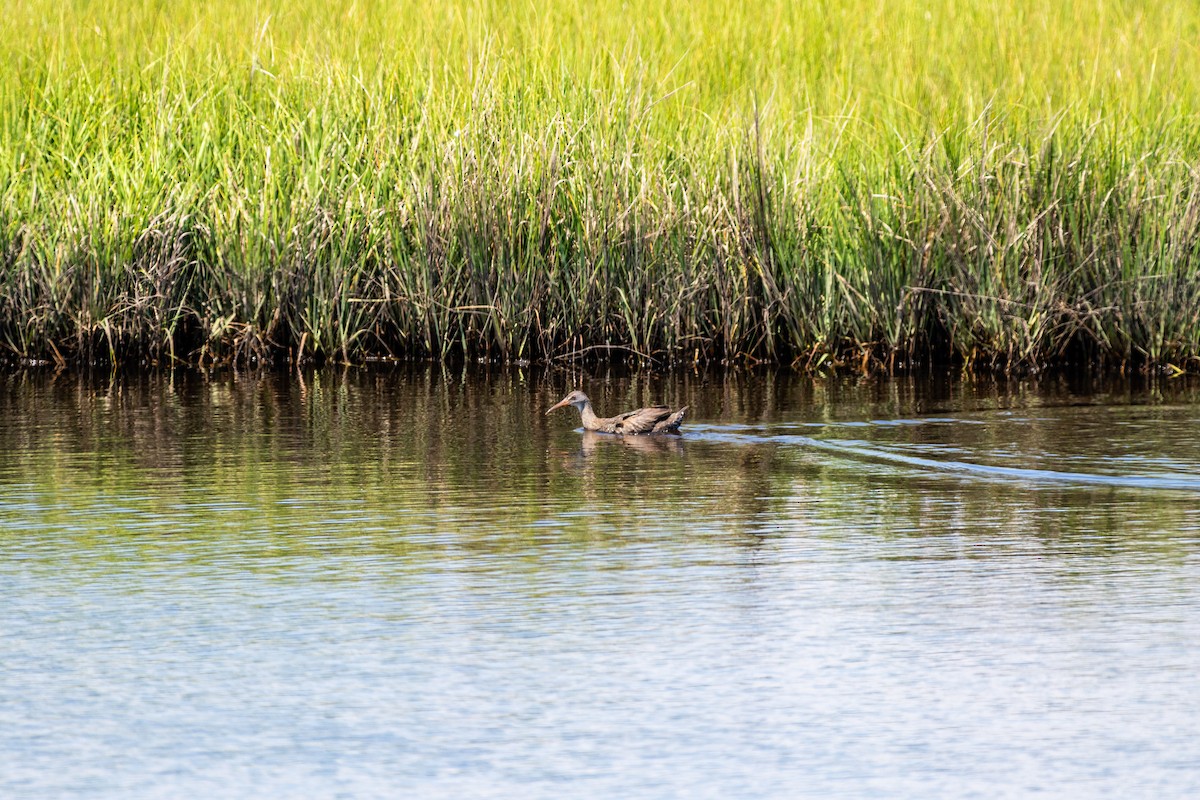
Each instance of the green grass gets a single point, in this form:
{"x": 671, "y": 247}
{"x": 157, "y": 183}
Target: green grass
{"x": 1002, "y": 183}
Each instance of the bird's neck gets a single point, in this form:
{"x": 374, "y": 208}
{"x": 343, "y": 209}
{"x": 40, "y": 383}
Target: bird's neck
{"x": 589, "y": 416}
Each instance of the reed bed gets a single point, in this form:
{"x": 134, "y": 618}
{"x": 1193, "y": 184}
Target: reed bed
{"x": 998, "y": 183}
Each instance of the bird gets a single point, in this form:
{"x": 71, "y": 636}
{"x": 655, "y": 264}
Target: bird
{"x": 654, "y": 419}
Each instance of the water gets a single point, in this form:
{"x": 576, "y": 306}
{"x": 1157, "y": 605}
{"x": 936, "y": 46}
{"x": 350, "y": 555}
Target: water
{"x": 413, "y": 583}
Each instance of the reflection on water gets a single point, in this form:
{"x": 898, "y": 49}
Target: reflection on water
{"x": 374, "y": 582}
{"x": 591, "y": 441}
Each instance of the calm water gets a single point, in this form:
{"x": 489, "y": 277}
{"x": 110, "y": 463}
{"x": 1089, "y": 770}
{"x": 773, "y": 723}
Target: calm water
{"x": 415, "y": 584}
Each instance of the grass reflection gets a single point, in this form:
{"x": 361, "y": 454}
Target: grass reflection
{"x": 428, "y": 465}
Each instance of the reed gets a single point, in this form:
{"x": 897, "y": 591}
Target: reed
{"x": 1000, "y": 183}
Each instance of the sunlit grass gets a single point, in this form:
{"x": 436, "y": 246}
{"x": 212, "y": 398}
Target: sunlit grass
{"x": 1001, "y": 182}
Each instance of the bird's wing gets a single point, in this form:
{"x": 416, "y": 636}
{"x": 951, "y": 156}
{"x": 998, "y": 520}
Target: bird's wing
{"x": 641, "y": 421}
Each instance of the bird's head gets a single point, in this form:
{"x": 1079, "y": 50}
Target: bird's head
{"x": 577, "y": 399}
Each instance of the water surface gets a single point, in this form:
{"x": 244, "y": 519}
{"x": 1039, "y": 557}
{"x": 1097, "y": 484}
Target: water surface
{"x": 378, "y": 583}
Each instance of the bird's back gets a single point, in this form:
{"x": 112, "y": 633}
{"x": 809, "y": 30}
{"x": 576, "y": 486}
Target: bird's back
{"x": 671, "y": 423}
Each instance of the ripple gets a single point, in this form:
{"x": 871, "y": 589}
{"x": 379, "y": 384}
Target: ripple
{"x": 962, "y": 456}
{"x": 992, "y": 472}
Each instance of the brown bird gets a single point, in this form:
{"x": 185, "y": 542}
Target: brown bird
{"x": 655, "y": 419}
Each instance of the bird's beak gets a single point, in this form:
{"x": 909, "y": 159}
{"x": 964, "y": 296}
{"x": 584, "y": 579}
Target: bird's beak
{"x": 557, "y": 405}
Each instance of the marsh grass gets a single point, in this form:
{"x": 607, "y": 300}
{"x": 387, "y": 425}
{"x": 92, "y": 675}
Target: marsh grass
{"x": 1003, "y": 184}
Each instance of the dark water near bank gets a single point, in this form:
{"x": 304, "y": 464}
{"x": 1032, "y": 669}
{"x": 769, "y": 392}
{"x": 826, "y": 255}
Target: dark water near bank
{"x": 384, "y": 584}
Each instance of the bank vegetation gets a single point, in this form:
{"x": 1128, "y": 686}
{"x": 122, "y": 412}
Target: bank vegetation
{"x": 1004, "y": 184}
